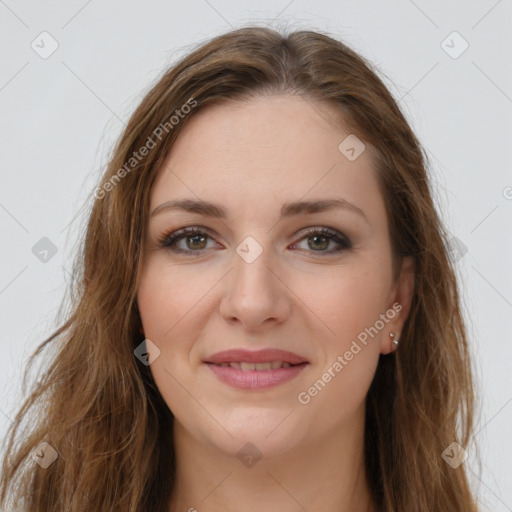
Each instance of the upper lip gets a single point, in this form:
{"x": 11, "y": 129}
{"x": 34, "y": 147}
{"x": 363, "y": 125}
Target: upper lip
{"x": 258, "y": 356}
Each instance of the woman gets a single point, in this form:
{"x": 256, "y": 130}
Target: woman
{"x": 266, "y": 317}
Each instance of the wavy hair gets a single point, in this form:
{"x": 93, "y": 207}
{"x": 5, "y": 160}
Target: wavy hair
{"x": 97, "y": 405}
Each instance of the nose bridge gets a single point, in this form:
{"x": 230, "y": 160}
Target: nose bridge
{"x": 252, "y": 291}
{"x": 252, "y": 264}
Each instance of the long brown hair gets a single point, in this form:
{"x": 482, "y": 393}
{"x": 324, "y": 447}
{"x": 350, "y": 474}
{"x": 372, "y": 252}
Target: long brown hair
{"x": 97, "y": 405}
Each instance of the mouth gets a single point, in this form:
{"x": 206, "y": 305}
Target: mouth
{"x": 251, "y": 370}
{"x": 259, "y": 367}
{"x": 265, "y": 356}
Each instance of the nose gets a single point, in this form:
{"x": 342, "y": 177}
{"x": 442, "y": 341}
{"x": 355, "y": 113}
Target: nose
{"x": 254, "y": 294}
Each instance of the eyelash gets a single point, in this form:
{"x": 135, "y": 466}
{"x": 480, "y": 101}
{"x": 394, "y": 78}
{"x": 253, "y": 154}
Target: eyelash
{"x": 168, "y": 240}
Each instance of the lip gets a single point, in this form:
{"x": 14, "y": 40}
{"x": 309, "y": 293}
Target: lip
{"x": 255, "y": 379}
{"x": 258, "y": 356}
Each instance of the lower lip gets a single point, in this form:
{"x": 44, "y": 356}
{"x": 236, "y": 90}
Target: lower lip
{"x": 255, "y": 379}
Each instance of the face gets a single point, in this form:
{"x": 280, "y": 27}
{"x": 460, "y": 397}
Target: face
{"x": 261, "y": 273}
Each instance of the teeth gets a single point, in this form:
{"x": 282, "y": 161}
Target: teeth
{"x": 270, "y": 365}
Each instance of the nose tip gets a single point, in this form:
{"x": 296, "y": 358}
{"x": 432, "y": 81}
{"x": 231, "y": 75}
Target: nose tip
{"x": 252, "y": 294}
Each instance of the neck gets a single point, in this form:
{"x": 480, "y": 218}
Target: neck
{"x": 327, "y": 474}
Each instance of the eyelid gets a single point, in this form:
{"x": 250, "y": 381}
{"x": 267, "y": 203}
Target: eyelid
{"x": 177, "y": 234}
{"x": 168, "y": 239}
{"x": 333, "y": 234}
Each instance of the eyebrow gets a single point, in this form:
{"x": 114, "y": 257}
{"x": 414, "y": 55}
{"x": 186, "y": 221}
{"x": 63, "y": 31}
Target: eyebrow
{"x": 287, "y": 210}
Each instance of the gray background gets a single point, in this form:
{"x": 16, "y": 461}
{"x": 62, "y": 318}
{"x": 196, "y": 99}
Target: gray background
{"x": 61, "y": 114}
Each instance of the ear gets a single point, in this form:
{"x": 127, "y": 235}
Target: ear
{"x": 400, "y": 300}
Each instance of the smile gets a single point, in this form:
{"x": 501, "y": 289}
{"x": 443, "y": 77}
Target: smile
{"x": 273, "y": 365}
{"x": 256, "y": 376}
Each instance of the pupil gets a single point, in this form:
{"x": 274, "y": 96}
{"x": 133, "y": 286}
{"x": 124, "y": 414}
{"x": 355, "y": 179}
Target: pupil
{"x": 324, "y": 245}
{"x": 193, "y": 237}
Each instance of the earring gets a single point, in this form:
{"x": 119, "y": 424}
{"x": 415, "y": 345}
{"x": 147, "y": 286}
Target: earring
{"x": 395, "y": 340}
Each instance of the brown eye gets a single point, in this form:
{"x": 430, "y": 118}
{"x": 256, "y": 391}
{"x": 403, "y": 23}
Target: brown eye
{"x": 320, "y": 238}
{"x": 195, "y": 241}
{"x": 319, "y": 242}
{"x": 198, "y": 241}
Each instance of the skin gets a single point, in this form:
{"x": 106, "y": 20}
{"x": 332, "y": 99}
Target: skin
{"x": 251, "y": 157}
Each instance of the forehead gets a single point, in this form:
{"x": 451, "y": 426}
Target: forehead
{"x": 262, "y": 150}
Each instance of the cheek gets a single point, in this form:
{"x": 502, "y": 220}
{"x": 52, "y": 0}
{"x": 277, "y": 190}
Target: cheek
{"x": 350, "y": 306}
{"x": 164, "y": 298}
{"x": 347, "y": 301}
{"x": 166, "y": 294}
{"x": 333, "y": 397}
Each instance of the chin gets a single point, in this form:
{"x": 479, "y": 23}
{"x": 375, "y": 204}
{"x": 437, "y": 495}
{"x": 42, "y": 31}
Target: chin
{"x": 264, "y": 429}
